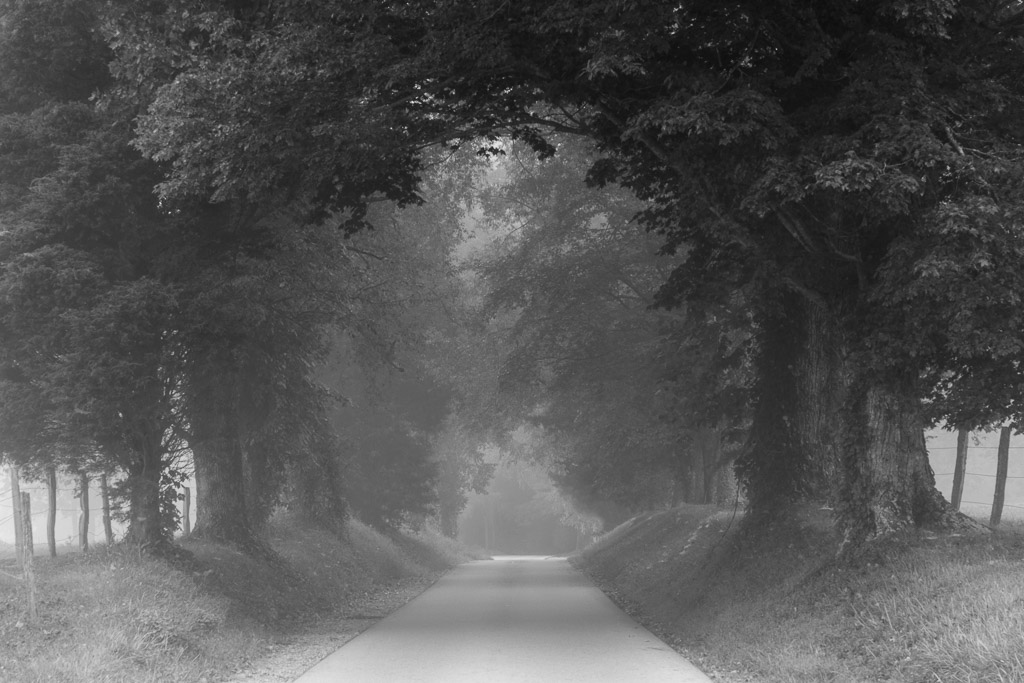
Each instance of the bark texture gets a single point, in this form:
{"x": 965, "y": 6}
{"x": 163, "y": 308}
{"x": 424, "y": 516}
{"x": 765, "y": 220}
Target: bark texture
{"x": 315, "y": 490}
{"x": 219, "y": 465}
{"x": 826, "y": 430}
{"x": 821, "y": 376}
{"x": 888, "y": 483}
{"x": 1002, "y": 465}
{"x": 146, "y": 524}
{"x": 772, "y": 469}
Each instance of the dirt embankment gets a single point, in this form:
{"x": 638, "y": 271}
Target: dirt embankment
{"x": 216, "y": 614}
{"x": 772, "y": 604}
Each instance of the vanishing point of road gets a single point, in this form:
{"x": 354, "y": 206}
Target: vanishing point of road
{"x": 511, "y": 619}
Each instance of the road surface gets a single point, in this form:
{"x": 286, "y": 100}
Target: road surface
{"x": 514, "y": 619}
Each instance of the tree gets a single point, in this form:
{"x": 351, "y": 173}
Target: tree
{"x": 395, "y": 399}
{"x": 83, "y": 314}
{"x": 823, "y": 159}
{"x": 631, "y": 395}
{"x": 262, "y": 294}
{"x": 1002, "y": 464}
{"x": 133, "y": 328}
{"x": 813, "y": 155}
{"x": 462, "y": 470}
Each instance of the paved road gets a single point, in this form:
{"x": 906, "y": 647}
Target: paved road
{"x": 512, "y": 619}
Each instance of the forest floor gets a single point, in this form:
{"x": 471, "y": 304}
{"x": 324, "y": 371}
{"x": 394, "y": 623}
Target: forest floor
{"x": 215, "y": 614}
{"x": 771, "y": 604}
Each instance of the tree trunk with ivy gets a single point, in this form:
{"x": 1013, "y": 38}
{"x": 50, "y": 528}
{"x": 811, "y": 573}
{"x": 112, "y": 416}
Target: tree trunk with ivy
{"x": 146, "y": 524}
{"x": 707, "y": 456}
{"x": 218, "y": 459}
{"x": 824, "y": 431}
{"x": 261, "y": 485}
{"x": 314, "y": 482}
{"x": 772, "y": 468}
{"x": 821, "y": 376}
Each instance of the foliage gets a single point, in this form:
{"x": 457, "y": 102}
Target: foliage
{"x": 462, "y": 470}
{"x": 620, "y": 388}
{"x": 392, "y": 363}
{"x": 808, "y": 166}
{"x": 84, "y": 311}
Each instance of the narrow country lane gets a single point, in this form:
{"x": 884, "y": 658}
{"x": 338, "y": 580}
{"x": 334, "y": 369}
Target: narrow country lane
{"x": 514, "y": 619}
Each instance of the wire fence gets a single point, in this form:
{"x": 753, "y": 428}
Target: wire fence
{"x": 68, "y": 511}
{"x": 1005, "y": 505}
{"x": 973, "y": 449}
{"x": 972, "y": 474}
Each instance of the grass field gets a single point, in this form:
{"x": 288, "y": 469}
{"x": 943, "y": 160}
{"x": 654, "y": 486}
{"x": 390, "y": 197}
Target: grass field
{"x": 772, "y": 605}
{"x": 114, "y": 615}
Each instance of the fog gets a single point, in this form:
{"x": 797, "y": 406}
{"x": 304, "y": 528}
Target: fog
{"x": 522, "y": 513}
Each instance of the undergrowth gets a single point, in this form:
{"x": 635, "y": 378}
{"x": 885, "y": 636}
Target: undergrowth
{"x": 772, "y": 604}
{"x": 115, "y": 615}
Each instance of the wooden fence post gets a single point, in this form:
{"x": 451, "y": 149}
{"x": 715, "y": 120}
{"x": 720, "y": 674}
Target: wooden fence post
{"x": 1002, "y": 465}
{"x": 83, "y": 516}
{"x": 186, "y": 519}
{"x": 51, "y": 509}
{"x": 16, "y": 507}
{"x": 960, "y": 468}
{"x": 27, "y": 552}
{"x": 108, "y": 530}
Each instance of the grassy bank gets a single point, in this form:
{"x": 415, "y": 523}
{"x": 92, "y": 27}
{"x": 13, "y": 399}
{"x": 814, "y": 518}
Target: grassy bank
{"x": 773, "y": 605}
{"x": 113, "y": 615}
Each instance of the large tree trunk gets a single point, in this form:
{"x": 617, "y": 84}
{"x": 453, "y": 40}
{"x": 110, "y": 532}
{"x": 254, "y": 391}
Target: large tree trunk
{"x": 824, "y": 431}
{"x": 145, "y": 515}
{"x": 887, "y": 483}
{"x": 707, "y": 452}
{"x": 263, "y": 484}
{"x": 219, "y": 464}
{"x": 315, "y": 486}
{"x": 772, "y": 470}
{"x": 821, "y": 376}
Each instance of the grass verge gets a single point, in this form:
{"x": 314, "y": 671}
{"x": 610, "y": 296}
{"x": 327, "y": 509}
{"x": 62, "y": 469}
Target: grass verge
{"x": 773, "y": 605}
{"x": 114, "y": 615}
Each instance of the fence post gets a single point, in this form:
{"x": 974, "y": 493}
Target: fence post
{"x": 83, "y": 516}
{"x": 1002, "y": 465}
{"x": 186, "y": 519}
{"x": 108, "y": 531}
{"x": 27, "y": 553}
{"x": 51, "y": 509}
{"x": 960, "y": 468}
{"x": 16, "y": 508}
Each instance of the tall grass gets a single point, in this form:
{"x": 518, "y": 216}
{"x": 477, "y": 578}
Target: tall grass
{"x": 112, "y": 615}
{"x": 956, "y": 619}
{"x": 775, "y": 606}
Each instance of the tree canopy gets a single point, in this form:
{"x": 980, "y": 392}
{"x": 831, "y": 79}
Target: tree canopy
{"x": 834, "y": 188}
